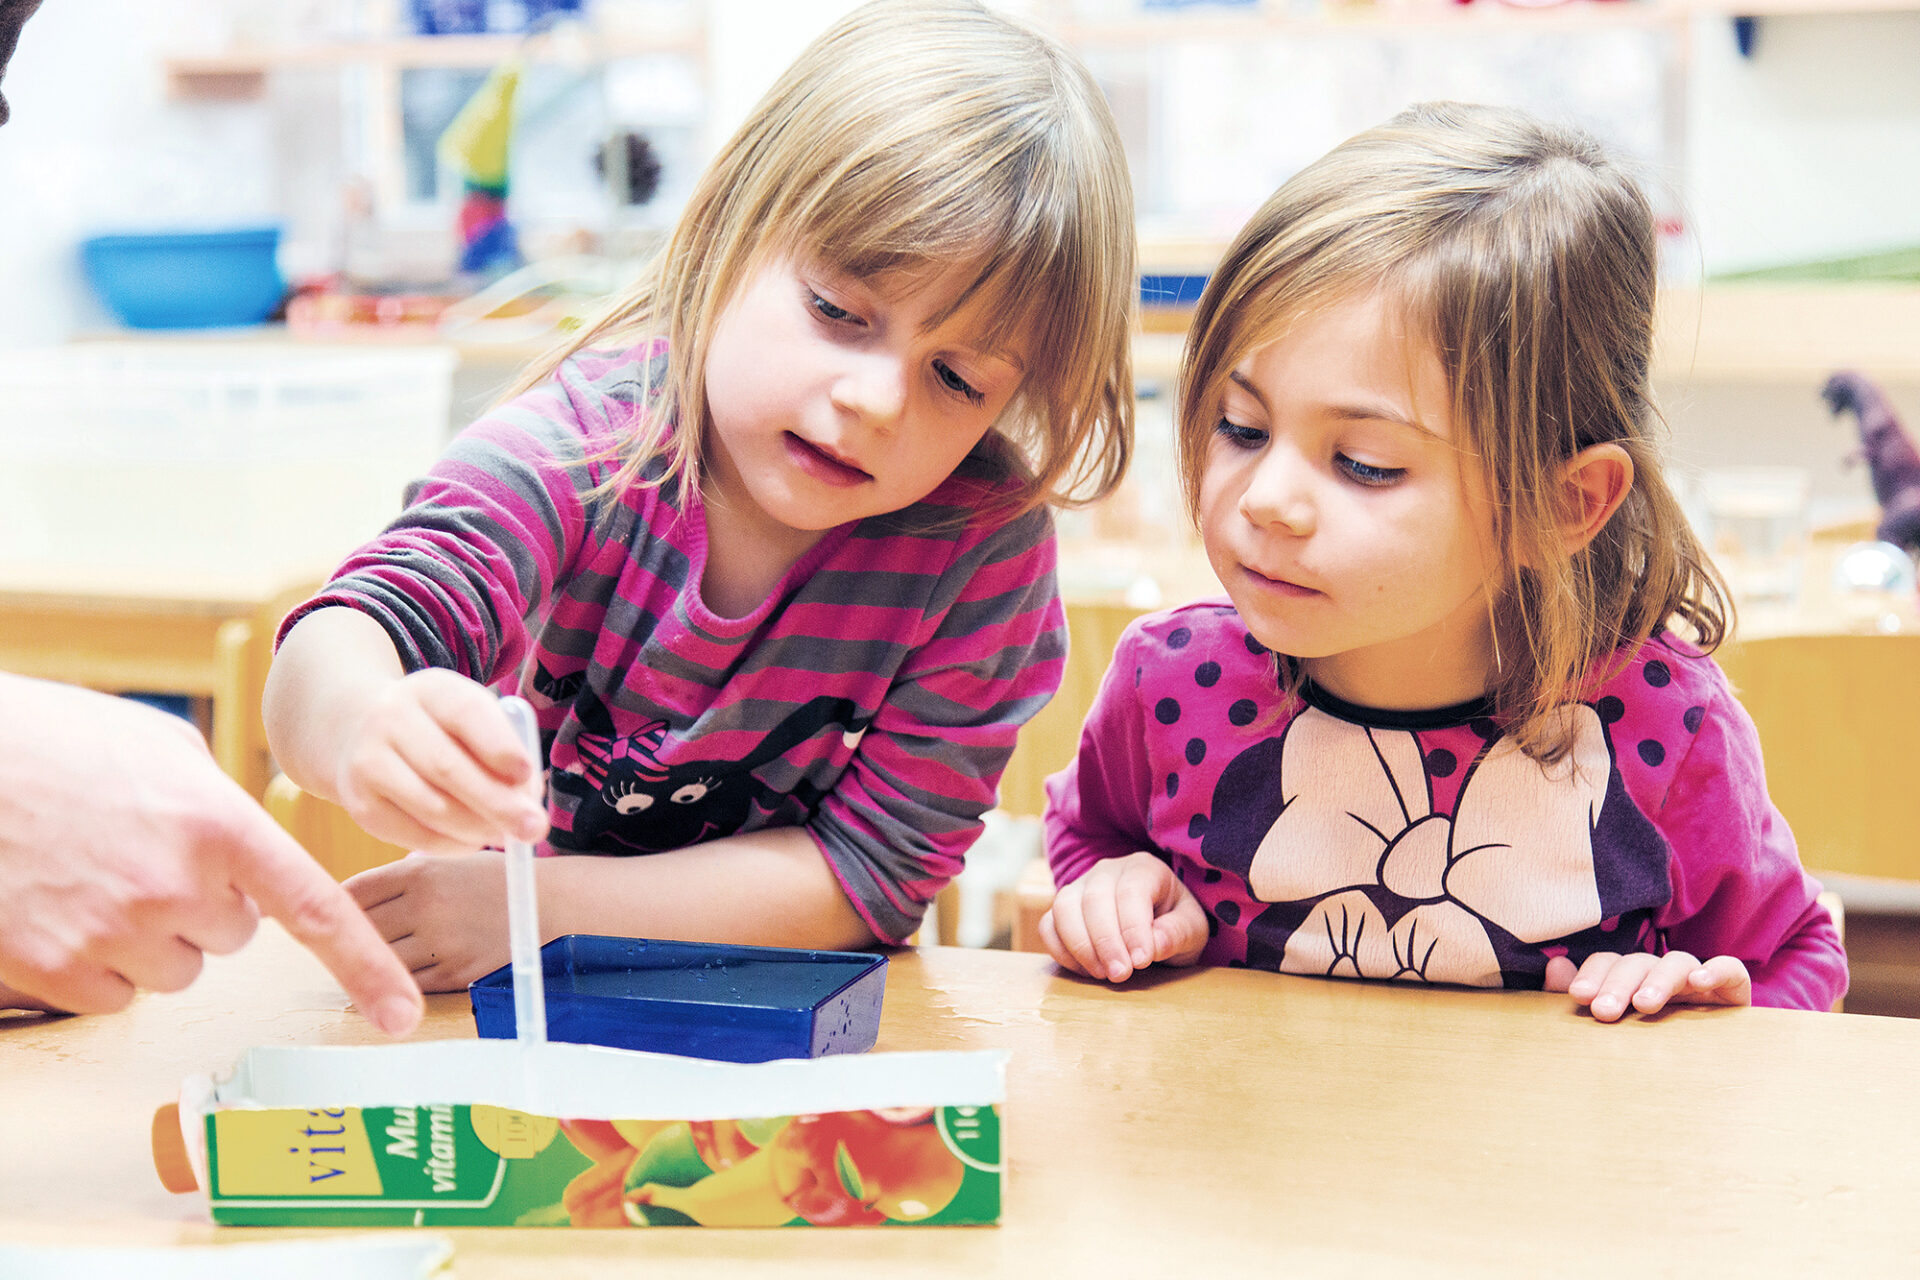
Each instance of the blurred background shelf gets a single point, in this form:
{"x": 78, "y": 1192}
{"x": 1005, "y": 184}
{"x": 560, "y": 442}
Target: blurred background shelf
{"x": 241, "y": 73}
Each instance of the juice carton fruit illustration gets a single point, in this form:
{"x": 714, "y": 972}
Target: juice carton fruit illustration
{"x": 477, "y": 1133}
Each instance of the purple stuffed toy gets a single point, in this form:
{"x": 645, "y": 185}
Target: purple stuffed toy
{"x": 1892, "y": 459}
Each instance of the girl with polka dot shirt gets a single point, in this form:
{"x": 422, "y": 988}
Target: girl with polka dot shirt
{"x": 1455, "y": 721}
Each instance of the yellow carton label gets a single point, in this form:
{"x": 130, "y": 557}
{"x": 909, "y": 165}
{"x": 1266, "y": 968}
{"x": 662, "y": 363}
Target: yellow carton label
{"x": 295, "y": 1153}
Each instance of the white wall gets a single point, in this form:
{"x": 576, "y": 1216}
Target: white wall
{"x": 1809, "y": 149}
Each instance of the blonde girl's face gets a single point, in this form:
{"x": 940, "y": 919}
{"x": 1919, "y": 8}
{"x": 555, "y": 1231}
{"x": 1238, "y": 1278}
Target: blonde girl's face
{"x": 832, "y": 398}
{"x": 1337, "y": 512}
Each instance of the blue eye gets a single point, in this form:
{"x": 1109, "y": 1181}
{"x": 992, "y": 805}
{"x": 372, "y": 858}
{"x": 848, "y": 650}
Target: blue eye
{"x": 1367, "y": 474}
{"x": 957, "y": 384}
{"x": 826, "y": 309}
{"x": 1238, "y": 436}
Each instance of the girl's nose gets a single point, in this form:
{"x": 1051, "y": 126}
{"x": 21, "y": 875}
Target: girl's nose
{"x": 1280, "y": 493}
{"x": 873, "y": 387}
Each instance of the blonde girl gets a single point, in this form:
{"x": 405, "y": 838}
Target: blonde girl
{"x": 768, "y": 549}
{"x": 1454, "y": 721}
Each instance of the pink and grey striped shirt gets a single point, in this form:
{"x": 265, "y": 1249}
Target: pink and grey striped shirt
{"x": 873, "y": 698}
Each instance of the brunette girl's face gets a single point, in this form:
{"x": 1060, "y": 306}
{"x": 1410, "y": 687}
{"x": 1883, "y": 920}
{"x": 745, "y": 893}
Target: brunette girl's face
{"x": 1339, "y": 512}
{"x": 832, "y": 398}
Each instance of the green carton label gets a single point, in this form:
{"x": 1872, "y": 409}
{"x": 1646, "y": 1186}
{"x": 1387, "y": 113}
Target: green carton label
{"x": 457, "y": 1165}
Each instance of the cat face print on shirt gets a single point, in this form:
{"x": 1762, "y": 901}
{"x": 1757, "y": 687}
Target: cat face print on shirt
{"x": 1372, "y": 863}
{"x": 632, "y": 792}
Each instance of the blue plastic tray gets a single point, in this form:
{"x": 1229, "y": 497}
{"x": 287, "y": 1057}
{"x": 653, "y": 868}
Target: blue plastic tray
{"x": 703, "y": 1000}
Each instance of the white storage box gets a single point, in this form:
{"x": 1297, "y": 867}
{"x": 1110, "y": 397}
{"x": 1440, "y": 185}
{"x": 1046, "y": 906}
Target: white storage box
{"x": 190, "y": 456}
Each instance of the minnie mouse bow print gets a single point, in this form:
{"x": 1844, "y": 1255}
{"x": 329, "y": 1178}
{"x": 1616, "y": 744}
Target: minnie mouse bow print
{"x": 1357, "y": 815}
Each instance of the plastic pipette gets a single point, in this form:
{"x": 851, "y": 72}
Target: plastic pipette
{"x": 523, "y": 924}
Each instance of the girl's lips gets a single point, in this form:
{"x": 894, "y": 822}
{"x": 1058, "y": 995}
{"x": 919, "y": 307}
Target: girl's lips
{"x": 1280, "y": 586}
{"x": 821, "y": 465}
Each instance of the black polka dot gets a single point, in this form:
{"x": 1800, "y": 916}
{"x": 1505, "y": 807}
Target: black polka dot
{"x": 1166, "y": 711}
{"x": 1212, "y": 876}
{"x": 1173, "y": 785}
{"x": 1610, "y": 709}
{"x": 1693, "y": 718}
{"x": 1196, "y": 826}
{"x": 1213, "y": 930}
{"x": 1254, "y": 647}
{"x": 1229, "y": 912}
{"x": 1652, "y": 752}
{"x": 1486, "y": 728}
{"x": 1196, "y": 750}
{"x": 1178, "y": 638}
{"x": 1657, "y": 674}
{"x": 1242, "y": 712}
{"x": 1441, "y": 763}
{"x": 1207, "y": 675}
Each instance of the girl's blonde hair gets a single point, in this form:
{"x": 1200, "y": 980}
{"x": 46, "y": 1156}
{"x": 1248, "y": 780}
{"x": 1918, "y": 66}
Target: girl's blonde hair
{"x": 1526, "y": 257}
{"x": 908, "y": 136}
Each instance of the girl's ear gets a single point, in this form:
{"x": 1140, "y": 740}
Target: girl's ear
{"x": 1593, "y": 484}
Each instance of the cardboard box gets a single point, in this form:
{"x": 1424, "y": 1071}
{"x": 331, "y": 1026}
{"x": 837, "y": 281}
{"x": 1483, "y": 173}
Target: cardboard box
{"x": 494, "y": 1133}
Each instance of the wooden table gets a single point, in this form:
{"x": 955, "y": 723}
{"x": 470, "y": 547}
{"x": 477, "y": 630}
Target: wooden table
{"x": 1218, "y": 1122}
{"x": 205, "y": 634}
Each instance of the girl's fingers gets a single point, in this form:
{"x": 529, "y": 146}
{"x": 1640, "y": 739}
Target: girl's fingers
{"x": 417, "y": 815}
{"x": 385, "y": 820}
{"x": 445, "y": 790}
{"x": 1559, "y": 975}
{"x": 1668, "y": 976}
{"x": 1180, "y": 935}
{"x": 1585, "y": 983}
{"x": 1070, "y": 927}
{"x": 1099, "y": 907}
{"x": 1723, "y": 980}
{"x": 1050, "y": 939}
{"x": 1136, "y": 902}
{"x": 1623, "y": 978}
{"x": 472, "y": 717}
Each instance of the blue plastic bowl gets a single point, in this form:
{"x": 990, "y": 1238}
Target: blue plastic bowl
{"x": 472, "y": 17}
{"x": 698, "y": 999}
{"x": 187, "y": 280}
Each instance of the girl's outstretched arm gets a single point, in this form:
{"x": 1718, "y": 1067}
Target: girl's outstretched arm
{"x": 427, "y": 761}
{"x": 447, "y": 917}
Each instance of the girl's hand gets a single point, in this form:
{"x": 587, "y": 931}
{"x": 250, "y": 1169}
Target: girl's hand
{"x": 434, "y": 765}
{"x": 445, "y": 917}
{"x": 1123, "y": 915}
{"x": 1608, "y": 984}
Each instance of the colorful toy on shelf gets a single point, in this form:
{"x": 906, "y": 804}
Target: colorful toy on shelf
{"x": 478, "y": 144}
{"x": 1892, "y": 458}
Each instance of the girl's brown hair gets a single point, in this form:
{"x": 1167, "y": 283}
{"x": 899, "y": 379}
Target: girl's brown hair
{"x": 912, "y": 135}
{"x": 1527, "y": 258}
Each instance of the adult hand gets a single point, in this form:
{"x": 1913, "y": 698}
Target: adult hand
{"x": 1124, "y": 914}
{"x": 1609, "y": 985}
{"x": 126, "y": 856}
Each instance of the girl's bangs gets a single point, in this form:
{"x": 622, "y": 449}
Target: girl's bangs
{"x": 1030, "y": 262}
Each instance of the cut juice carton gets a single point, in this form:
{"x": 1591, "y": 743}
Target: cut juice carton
{"x": 459, "y": 1133}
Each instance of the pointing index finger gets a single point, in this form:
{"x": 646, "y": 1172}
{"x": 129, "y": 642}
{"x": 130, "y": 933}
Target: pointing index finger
{"x": 270, "y": 867}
